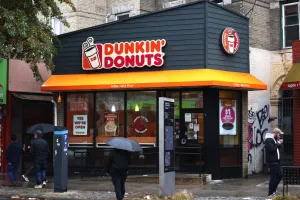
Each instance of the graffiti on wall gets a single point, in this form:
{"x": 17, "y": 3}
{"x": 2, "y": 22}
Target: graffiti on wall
{"x": 258, "y": 125}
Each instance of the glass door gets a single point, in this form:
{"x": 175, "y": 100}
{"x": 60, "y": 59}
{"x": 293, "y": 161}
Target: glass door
{"x": 192, "y": 127}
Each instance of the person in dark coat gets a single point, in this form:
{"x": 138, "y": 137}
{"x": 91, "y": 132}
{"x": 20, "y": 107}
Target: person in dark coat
{"x": 39, "y": 150}
{"x": 13, "y": 155}
{"x": 117, "y": 167}
{"x": 272, "y": 145}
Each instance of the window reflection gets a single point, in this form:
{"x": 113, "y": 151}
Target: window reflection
{"x": 109, "y": 116}
{"x": 141, "y": 116}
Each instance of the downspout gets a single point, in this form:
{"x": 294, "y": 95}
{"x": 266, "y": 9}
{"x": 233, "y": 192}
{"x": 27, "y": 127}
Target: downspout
{"x": 55, "y": 112}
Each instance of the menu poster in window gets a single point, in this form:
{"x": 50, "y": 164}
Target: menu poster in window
{"x": 80, "y": 125}
{"x": 111, "y": 121}
{"x": 227, "y": 117}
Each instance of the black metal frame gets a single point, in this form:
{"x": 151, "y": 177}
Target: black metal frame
{"x": 290, "y": 176}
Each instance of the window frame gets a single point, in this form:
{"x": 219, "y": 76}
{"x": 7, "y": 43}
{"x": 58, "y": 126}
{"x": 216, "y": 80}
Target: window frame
{"x": 121, "y": 14}
{"x": 283, "y": 23}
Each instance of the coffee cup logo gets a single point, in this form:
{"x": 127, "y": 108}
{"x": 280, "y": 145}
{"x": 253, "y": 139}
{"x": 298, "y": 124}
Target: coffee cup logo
{"x": 230, "y": 40}
{"x": 91, "y": 52}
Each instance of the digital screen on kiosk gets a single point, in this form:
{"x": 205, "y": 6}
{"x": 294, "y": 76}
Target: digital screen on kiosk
{"x": 169, "y": 136}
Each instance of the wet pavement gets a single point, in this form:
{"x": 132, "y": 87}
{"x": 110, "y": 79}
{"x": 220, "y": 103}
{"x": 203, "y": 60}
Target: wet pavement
{"x": 254, "y": 188}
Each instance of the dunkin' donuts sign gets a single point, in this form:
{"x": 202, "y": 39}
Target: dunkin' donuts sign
{"x": 122, "y": 54}
{"x": 230, "y": 40}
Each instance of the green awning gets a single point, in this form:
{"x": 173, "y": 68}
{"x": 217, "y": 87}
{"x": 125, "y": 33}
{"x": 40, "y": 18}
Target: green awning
{"x": 292, "y": 79}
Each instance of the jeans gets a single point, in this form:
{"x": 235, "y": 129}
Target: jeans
{"x": 27, "y": 173}
{"x": 275, "y": 177}
{"x": 12, "y": 172}
{"x": 119, "y": 184}
{"x": 40, "y": 171}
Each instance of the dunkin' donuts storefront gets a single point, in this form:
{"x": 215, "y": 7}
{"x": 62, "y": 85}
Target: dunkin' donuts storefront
{"x": 108, "y": 79}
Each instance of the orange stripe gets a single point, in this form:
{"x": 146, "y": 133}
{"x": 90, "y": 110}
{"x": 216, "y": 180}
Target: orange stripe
{"x": 157, "y": 79}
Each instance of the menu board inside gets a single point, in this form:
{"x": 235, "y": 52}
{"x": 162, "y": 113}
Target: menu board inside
{"x": 169, "y": 160}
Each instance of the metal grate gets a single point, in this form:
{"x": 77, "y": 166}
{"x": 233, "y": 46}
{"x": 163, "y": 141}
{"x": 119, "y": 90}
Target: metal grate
{"x": 291, "y": 175}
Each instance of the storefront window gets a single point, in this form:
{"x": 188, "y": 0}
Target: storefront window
{"x": 109, "y": 116}
{"x": 192, "y": 99}
{"x": 229, "y": 127}
{"x": 80, "y": 119}
{"x": 141, "y": 116}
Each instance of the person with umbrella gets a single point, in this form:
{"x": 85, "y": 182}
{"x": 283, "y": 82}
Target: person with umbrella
{"x": 40, "y": 149}
{"x": 37, "y": 128}
{"x": 118, "y": 162}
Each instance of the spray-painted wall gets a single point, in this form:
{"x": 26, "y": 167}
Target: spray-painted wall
{"x": 259, "y": 121}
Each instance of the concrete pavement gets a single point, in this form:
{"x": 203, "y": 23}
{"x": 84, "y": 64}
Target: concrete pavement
{"x": 101, "y": 188}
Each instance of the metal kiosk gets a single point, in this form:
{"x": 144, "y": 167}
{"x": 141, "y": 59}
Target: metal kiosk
{"x": 60, "y": 159}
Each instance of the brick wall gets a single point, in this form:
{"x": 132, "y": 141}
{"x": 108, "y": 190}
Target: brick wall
{"x": 296, "y": 108}
{"x": 296, "y": 97}
{"x": 264, "y": 23}
{"x": 245, "y": 132}
{"x": 296, "y": 51}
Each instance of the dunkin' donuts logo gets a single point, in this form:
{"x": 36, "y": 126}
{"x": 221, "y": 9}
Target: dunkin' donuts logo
{"x": 230, "y": 40}
{"x": 122, "y": 55}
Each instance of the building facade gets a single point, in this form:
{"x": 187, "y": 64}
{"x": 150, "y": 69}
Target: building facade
{"x": 273, "y": 26}
{"x": 110, "y": 77}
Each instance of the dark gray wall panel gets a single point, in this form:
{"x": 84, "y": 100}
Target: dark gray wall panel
{"x": 182, "y": 28}
{"x": 217, "y": 20}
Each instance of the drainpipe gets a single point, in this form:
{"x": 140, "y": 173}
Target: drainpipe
{"x": 55, "y": 112}
{"x": 106, "y": 18}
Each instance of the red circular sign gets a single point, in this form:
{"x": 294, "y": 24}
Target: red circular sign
{"x": 230, "y": 40}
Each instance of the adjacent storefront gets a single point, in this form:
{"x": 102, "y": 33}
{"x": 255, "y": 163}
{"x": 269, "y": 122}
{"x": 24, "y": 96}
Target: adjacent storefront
{"x": 109, "y": 78}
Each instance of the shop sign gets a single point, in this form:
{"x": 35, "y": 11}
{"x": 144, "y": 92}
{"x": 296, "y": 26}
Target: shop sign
{"x": 140, "y": 124}
{"x": 227, "y": 117}
{"x": 80, "y": 125}
{"x": 122, "y": 54}
{"x": 230, "y": 40}
{"x": 3, "y": 81}
{"x": 111, "y": 121}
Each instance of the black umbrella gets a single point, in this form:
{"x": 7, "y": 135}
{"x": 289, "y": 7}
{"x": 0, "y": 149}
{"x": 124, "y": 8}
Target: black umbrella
{"x": 124, "y": 144}
{"x": 44, "y": 128}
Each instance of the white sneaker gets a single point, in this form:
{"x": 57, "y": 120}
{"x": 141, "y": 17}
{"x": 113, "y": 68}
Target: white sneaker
{"x": 44, "y": 184}
{"x": 272, "y": 195}
{"x": 25, "y": 178}
{"x": 38, "y": 186}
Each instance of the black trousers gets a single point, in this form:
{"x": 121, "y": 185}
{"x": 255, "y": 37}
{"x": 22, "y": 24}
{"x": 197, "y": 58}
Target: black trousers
{"x": 275, "y": 177}
{"x": 118, "y": 180}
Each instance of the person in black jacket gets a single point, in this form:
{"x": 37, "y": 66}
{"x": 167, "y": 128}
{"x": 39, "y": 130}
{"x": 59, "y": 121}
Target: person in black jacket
{"x": 40, "y": 150}
{"x": 272, "y": 145}
{"x": 117, "y": 167}
{"x": 13, "y": 155}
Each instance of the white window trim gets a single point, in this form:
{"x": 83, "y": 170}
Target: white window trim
{"x": 283, "y": 22}
{"x": 121, "y": 14}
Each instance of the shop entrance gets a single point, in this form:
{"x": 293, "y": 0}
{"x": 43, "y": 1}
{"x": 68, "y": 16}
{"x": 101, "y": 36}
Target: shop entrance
{"x": 192, "y": 127}
{"x": 190, "y": 151}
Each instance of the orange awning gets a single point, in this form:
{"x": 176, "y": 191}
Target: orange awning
{"x": 153, "y": 79}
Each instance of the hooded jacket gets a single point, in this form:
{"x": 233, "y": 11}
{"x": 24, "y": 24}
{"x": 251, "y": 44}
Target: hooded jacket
{"x": 272, "y": 147}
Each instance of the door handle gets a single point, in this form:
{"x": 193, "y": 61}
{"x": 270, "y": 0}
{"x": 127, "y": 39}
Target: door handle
{"x": 24, "y": 147}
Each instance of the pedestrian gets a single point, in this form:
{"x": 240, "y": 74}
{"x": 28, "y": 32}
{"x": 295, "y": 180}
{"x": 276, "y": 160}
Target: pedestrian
{"x": 272, "y": 145}
{"x": 40, "y": 150}
{"x": 30, "y": 169}
{"x": 117, "y": 167}
{"x": 13, "y": 155}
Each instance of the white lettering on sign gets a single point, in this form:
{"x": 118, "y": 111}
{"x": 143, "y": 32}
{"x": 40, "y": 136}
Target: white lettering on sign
{"x": 173, "y": 3}
{"x": 80, "y": 125}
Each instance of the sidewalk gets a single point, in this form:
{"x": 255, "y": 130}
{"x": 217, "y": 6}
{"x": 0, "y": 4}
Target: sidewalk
{"x": 101, "y": 188}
